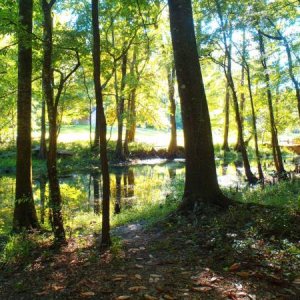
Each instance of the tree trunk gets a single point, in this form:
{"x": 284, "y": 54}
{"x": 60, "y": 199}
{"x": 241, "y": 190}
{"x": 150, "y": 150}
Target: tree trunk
{"x": 24, "y": 211}
{"x": 105, "y": 240}
{"x": 43, "y": 181}
{"x": 201, "y": 184}
{"x": 275, "y": 145}
{"x": 172, "y": 149}
{"x": 225, "y": 146}
{"x": 257, "y": 154}
{"x": 120, "y": 109}
{"x": 43, "y": 147}
{"x": 237, "y": 147}
{"x": 47, "y": 74}
{"x": 96, "y": 186}
{"x": 250, "y": 177}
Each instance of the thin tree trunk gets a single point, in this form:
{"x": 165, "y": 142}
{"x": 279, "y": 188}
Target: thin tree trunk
{"x": 96, "y": 186}
{"x": 105, "y": 240}
{"x": 24, "y": 211}
{"x": 43, "y": 147}
{"x": 257, "y": 154}
{"x": 250, "y": 177}
{"x": 201, "y": 184}
{"x": 172, "y": 149}
{"x": 55, "y": 196}
{"x": 120, "y": 109}
{"x": 225, "y": 146}
{"x": 243, "y": 98}
{"x": 275, "y": 145}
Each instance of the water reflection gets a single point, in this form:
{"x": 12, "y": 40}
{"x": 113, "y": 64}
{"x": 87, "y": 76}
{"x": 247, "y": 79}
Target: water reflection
{"x": 137, "y": 185}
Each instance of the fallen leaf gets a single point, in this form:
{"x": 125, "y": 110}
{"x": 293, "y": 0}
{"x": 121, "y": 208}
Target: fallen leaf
{"x": 87, "y": 294}
{"x": 138, "y": 276}
{"x": 234, "y": 267}
{"x": 124, "y": 297}
{"x": 139, "y": 266}
{"x": 137, "y": 288}
{"x": 243, "y": 274}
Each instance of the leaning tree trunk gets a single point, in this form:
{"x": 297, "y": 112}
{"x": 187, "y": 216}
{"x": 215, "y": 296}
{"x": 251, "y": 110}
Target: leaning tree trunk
{"x": 105, "y": 240}
{"x": 243, "y": 98}
{"x": 250, "y": 177}
{"x": 55, "y": 196}
{"x": 275, "y": 145}
{"x": 172, "y": 149}
{"x": 257, "y": 154}
{"x": 24, "y": 211}
{"x": 201, "y": 184}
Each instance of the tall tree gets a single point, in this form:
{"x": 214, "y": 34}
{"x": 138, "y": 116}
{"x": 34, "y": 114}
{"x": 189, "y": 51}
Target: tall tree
{"x": 201, "y": 184}
{"x": 275, "y": 145}
{"x": 105, "y": 241}
{"x": 242, "y": 146}
{"x": 52, "y": 109}
{"x": 171, "y": 87}
{"x": 24, "y": 211}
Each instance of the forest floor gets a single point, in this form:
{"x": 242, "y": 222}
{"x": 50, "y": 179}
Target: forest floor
{"x": 238, "y": 254}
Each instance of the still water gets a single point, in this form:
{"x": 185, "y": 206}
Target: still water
{"x": 138, "y": 185}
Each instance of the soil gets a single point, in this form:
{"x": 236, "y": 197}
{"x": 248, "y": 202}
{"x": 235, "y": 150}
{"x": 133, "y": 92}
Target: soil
{"x": 166, "y": 261}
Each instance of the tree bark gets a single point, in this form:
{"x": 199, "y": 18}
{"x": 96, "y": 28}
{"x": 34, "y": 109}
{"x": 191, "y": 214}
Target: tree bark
{"x": 48, "y": 82}
{"x": 201, "y": 184}
{"x": 25, "y": 216}
{"x": 120, "y": 109}
{"x": 43, "y": 147}
{"x": 275, "y": 145}
{"x": 225, "y": 145}
{"x": 257, "y": 154}
{"x": 105, "y": 239}
{"x": 243, "y": 98}
{"x": 172, "y": 149}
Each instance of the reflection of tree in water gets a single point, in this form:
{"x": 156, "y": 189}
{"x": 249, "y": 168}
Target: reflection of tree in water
{"x": 130, "y": 176}
{"x": 224, "y": 166}
{"x": 172, "y": 172}
{"x": 96, "y": 186}
{"x": 118, "y": 193}
{"x": 238, "y": 165}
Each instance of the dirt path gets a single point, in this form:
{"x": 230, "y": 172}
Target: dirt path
{"x": 145, "y": 264}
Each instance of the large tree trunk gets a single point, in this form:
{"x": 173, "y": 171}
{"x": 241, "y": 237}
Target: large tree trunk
{"x": 105, "y": 240}
{"x": 55, "y": 196}
{"x": 120, "y": 109}
{"x": 24, "y": 211}
{"x": 275, "y": 145}
{"x": 171, "y": 82}
{"x": 201, "y": 184}
{"x": 43, "y": 147}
